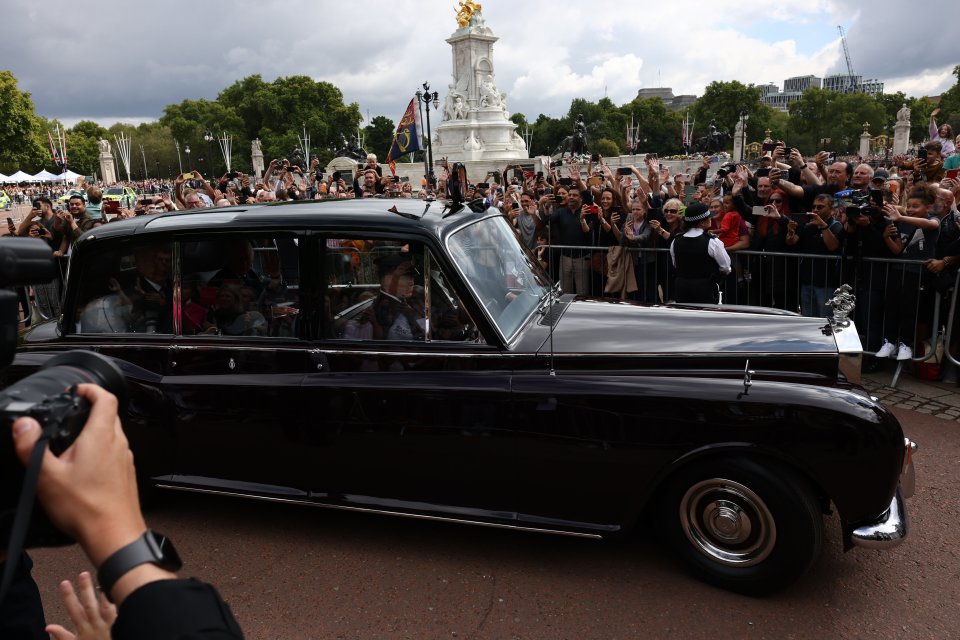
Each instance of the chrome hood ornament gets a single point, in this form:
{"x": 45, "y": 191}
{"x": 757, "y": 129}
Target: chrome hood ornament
{"x": 843, "y": 303}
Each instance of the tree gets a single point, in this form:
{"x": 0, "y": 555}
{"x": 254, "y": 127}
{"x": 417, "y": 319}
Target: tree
{"x": 82, "y": 151}
{"x": 605, "y": 147}
{"x": 950, "y": 103}
{"x": 378, "y": 136}
{"x": 658, "y": 128}
{"x": 22, "y": 140}
{"x": 724, "y": 101}
{"x": 820, "y": 115}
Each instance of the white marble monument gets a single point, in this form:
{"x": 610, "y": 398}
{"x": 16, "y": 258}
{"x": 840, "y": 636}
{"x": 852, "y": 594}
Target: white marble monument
{"x": 901, "y": 131}
{"x": 108, "y": 167}
{"x": 475, "y": 124}
{"x": 256, "y": 157}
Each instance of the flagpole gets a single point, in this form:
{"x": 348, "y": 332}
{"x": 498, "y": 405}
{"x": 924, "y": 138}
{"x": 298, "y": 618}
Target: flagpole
{"x": 426, "y": 162}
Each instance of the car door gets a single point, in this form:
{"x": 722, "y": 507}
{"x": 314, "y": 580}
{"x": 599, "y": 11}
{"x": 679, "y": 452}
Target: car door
{"x": 236, "y": 367}
{"x": 413, "y": 422}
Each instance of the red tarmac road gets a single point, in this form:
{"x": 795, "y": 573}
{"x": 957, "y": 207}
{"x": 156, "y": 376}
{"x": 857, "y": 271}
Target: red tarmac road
{"x": 293, "y": 572}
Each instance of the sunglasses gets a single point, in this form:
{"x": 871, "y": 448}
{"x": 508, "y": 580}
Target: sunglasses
{"x": 671, "y": 210}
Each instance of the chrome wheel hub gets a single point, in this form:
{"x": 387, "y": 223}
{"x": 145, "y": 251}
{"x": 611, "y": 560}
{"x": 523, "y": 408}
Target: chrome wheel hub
{"x": 727, "y": 522}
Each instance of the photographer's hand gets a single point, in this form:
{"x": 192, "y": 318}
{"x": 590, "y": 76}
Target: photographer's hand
{"x": 90, "y": 491}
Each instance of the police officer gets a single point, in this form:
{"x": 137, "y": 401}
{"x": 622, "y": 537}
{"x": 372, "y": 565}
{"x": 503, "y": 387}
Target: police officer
{"x": 699, "y": 258}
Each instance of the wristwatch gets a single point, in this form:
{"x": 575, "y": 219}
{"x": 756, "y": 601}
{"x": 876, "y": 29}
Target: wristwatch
{"x": 150, "y": 547}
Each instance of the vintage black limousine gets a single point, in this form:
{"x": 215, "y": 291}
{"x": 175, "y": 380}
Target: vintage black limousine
{"x": 409, "y": 357}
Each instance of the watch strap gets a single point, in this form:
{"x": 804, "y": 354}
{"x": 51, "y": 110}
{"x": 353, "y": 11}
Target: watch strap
{"x": 149, "y": 548}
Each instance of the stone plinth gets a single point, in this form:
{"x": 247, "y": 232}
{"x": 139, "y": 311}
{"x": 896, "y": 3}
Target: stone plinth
{"x": 865, "y": 144}
{"x": 108, "y": 168}
{"x": 901, "y": 137}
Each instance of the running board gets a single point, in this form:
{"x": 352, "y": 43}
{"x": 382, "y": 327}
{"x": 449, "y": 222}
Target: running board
{"x": 400, "y": 514}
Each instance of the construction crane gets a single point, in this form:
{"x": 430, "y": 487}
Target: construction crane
{"x": 852, "y": 83}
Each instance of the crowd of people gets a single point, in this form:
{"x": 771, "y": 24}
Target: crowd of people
{"x": 777, "y": 232}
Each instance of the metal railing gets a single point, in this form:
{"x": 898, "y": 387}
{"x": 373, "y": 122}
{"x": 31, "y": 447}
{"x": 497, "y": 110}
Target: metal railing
{"x": 897, "y": 300}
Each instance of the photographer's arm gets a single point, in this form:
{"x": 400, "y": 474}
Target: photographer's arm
{"x": 90, "y": 493}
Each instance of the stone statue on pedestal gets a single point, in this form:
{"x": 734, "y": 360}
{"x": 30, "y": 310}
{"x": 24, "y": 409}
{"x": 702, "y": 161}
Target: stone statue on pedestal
{"x": 903, "y": 115}
{"x": 489, "y": 96}
{"x": 901, "y": 131}
{"x": 256, "y": 157}
{"x": 108, "y": 171}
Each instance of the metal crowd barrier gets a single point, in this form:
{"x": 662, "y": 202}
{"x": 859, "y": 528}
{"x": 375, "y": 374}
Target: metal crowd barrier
{"x": 897, "y": 300}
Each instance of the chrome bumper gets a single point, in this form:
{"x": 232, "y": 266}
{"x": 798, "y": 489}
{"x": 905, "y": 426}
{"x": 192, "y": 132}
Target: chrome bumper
{"x": 891, "y": 528}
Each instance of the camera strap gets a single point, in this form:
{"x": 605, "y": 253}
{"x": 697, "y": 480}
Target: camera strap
{"x": 21, "y": 521}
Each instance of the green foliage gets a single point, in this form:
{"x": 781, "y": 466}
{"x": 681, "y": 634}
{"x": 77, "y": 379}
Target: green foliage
{"x": 22, "y": 138}
{"x": 821, "y": 114}
{"x": 723, "y": 101}
{"x": 378, "y": 136}
{"x": 950, "y": 104}
{"x": 83, "y": 154}
{"x": 605, "y": 147}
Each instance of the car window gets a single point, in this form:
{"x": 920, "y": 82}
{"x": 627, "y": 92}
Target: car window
{"x": 391, "y": 290}
{"x": 505, "y": 278}
{"x": 241, "y": 285}
{"x": 127, "y": 289}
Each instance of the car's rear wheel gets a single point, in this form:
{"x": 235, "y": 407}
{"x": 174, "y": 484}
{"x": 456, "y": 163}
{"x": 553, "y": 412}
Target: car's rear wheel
{"x": 741, "y": 525}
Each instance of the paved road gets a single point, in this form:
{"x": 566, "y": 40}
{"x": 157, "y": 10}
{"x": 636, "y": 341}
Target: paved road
{"x": 291, "y": 572}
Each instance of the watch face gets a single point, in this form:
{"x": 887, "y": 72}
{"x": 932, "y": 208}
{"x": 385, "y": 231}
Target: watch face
{"x": 165, "y": 553}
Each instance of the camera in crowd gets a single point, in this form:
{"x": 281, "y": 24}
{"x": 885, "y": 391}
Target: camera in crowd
{"x": 725, "y": 170}
{"x": 858, "y": 203}
{"x": 48, "y": 395}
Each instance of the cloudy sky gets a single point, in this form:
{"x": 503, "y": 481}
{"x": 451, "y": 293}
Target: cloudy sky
{"x": 112, "y": 60}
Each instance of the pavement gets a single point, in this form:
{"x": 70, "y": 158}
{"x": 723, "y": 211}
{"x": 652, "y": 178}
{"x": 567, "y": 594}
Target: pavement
{"x": 940, "y": 399}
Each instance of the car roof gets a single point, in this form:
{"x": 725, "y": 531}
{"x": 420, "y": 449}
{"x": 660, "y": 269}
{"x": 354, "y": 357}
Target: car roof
{"x": 385, "y": 215}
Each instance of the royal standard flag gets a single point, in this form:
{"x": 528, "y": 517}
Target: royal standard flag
{"x": 407, "y": 137}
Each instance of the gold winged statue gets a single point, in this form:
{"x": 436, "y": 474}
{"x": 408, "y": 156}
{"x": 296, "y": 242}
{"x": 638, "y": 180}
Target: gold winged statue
{"x": 466, "y": 11}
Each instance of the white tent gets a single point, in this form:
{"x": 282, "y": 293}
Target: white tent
{"x": 69, "y": 176}
{"x": 3, "y": 178}
{"x": 20, "y": 176}
{"x": 45, "y": 176}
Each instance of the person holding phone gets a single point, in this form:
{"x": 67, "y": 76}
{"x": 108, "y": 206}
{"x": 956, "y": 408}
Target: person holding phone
{"x": 817, "y": 232}
{"x": 914, "y": 233}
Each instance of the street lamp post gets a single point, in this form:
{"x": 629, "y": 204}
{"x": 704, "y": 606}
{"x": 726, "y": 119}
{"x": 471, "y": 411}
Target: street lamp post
{"x": 179, "y": 162}
{"x": 744, "y": 116}
{"x": 429, "y": 98}
{"x": 208, "y": 138}
{"x": 186, "y": 150}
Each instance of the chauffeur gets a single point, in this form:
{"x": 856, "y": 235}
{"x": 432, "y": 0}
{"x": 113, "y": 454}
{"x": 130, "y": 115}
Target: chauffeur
{"x": 394, "y": 317}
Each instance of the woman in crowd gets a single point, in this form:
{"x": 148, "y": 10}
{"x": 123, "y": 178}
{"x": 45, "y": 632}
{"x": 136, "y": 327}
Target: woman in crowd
{"x": 639, "y": 237}
{"x": 942, "y": 134}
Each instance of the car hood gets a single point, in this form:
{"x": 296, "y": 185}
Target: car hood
{"x": 590, "y": 325}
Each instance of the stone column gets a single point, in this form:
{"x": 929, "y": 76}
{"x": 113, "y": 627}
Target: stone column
{"x": 738, "y": 141}
{"x": 108, "y": 170}
{"x": 865, "y": 138}
{"x": 901, "y": 136}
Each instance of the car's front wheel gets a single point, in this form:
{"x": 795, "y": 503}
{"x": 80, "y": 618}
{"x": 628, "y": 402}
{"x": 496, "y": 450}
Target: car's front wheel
{"x": 741, "y": 525}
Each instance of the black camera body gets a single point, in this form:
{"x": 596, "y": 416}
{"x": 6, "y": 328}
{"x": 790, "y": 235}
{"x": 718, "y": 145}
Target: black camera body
{"x": 862, "y": 203}
{"x": 48, "y": 396}
{"x": 725, "y": 170}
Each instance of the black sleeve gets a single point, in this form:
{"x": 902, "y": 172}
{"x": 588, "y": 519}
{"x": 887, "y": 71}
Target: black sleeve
{"x": 744, "y": 209}
{"x": 185, "y": 609}
{"x": 701, "y": 176}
